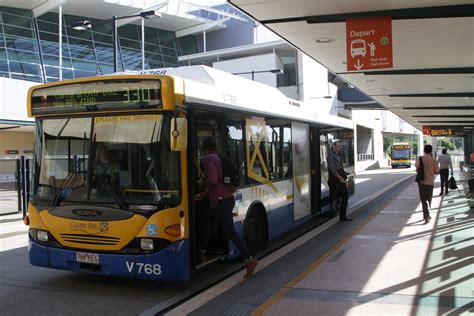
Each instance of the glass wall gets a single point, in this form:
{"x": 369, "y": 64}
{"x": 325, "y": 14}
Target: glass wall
{"x": 29, "y": 47}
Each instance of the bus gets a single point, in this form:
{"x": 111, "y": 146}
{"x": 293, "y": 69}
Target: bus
{"x": 140, "y": 220}
{"x": 401, "y": 155}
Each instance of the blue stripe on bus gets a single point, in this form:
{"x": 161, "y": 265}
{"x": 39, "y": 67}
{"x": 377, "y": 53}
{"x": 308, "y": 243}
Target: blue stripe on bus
{"x": 280, "y": 220}
{"x": 171, "y": 263}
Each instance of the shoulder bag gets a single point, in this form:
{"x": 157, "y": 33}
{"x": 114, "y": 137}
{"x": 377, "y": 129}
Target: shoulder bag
{"x": 420, "y": 174}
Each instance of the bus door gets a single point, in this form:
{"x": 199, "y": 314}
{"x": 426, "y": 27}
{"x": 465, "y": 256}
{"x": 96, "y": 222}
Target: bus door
{"x": 315, "y": 152}
{"x": 229, "y": 140}
{"x": 301, "y": 170}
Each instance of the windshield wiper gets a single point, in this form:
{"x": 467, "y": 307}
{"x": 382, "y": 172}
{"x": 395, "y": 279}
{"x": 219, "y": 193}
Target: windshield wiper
{"x": 120, "y": 203}
{"x": 66, "y": 184}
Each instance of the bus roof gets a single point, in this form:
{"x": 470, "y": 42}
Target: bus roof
{"x": 210, "y": 86}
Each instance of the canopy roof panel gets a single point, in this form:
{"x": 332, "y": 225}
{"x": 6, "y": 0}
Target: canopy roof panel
{"x": 433, "y": 50}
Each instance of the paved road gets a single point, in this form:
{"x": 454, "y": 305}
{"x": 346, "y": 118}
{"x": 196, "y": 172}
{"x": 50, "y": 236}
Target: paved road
{"x": 8, "y": 201}
{"x": 25, "y": 289}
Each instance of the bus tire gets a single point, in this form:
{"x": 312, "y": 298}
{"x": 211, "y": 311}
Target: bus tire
{"x": 255, "y": 235}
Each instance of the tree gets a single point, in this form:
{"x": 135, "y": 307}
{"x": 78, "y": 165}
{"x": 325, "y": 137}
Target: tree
{"x": 445, "y": 143}
{"x": 387, "y": 144}
{"x": 458, "y": 142}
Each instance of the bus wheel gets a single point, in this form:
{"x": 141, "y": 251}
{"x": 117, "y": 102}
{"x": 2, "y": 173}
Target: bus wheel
{"x": 253, "y": 232}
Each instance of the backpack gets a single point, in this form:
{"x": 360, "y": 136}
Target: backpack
{"x": 230, "y": 174}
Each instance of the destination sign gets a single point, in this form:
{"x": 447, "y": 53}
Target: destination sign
{"x": 401, "y": 146}
{"x": 439, "y": 131}
{"x": 103, "y": 95}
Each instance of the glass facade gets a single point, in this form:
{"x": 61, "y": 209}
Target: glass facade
{"x": 29, "y": 47}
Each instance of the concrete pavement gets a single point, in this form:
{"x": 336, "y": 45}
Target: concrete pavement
{"x": 394, "y": 264}
{"x": 388, "y": 262}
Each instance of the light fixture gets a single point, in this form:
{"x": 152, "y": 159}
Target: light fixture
{"x": 152, "y": 14}
{"x": 82, "y": 25}
{"x": 324, "y": 40}
{"x": 276, "y": 71}
{"x": 42, "y": 235}
{"x": 146, "y": 244}
{"x": 370, "y": 80}
{"x": 85, "y": 25}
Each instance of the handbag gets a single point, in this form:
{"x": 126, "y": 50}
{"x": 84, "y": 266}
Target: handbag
{"x": 420, "y": 174}
{"x": 452, "y": 183}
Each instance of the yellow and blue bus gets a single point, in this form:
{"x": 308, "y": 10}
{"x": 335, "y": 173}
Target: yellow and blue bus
{"x": 401, "y": 155}
{"x": 133, "y": 213}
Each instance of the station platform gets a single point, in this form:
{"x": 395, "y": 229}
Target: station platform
{"x": 385, "y": 262}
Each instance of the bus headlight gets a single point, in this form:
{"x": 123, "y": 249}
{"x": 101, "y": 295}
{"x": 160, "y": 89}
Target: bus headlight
{"x": 146, "y": 244}
{"x": 42, "y": 235}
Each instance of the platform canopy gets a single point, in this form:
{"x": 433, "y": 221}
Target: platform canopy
{"x": 431, "y": 78}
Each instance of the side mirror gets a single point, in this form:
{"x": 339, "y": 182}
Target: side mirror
{"x": 179, "y": 134}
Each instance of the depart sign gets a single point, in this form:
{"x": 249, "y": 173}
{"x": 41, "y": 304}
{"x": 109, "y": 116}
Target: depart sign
{"x": 438, "y": 131}
{"x": 369, "y": 43}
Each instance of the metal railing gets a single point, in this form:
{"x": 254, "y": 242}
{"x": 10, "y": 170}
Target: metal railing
{"x": 14, "y": 185}
{"x": 365, "y": 157}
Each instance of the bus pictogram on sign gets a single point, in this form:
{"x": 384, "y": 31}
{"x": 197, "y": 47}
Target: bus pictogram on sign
{"x": 369, "y": 43}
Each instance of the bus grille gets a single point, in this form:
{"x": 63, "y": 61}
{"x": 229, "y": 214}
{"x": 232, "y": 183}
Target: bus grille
{"x": 90, "y": 239}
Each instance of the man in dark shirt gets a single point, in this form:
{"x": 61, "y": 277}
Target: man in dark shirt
{"x": 338, "y": 181}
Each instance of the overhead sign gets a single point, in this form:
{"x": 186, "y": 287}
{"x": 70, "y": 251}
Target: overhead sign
{"x": 438, "y": 131}
{"x": 427, "y": 130}
{"x": 369, "y": 43}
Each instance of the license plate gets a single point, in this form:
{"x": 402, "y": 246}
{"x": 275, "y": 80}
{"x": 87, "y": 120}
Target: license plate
{"x": 86, "y": 257}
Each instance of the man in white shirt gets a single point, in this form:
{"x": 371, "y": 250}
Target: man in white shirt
{"x": 444, "y": 165}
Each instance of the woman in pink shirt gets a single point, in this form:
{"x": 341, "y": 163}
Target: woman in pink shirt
{"x": 425, "y": 186}
{"x": 222, "y": 201}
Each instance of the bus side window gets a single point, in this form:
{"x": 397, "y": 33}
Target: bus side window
{"x": 234, "y": 146}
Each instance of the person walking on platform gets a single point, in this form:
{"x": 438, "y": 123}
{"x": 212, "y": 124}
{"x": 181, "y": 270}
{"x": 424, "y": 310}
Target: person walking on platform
{"x": 222, "y": 201}
{"x": 445, "y": 164}
{"x": 425, "y": 186}
{"x": 338, "y": 182}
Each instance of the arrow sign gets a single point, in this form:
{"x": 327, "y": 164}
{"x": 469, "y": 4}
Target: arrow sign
{"x": 359, "y": 65}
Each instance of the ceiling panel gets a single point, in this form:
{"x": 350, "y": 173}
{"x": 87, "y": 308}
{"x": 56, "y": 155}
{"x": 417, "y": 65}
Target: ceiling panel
{"x": 410, "y": 84}
{"x": 437, "y": 49}
{"x": 267, "y": 10}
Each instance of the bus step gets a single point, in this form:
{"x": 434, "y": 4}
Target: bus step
{"x": 209, "y": 259}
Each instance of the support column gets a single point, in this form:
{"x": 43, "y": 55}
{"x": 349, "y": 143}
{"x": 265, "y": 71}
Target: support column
{"x": 420, "y": 145}
{"x": 434, "y": 141}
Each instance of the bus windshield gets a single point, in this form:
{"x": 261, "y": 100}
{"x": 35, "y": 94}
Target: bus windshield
{"x": 106, "y": 158}
{"x": 401, "y": 154}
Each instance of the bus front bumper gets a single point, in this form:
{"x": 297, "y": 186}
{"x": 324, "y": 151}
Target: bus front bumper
{"x": 401, "y": 164}
{"x": 171, "y": 263}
